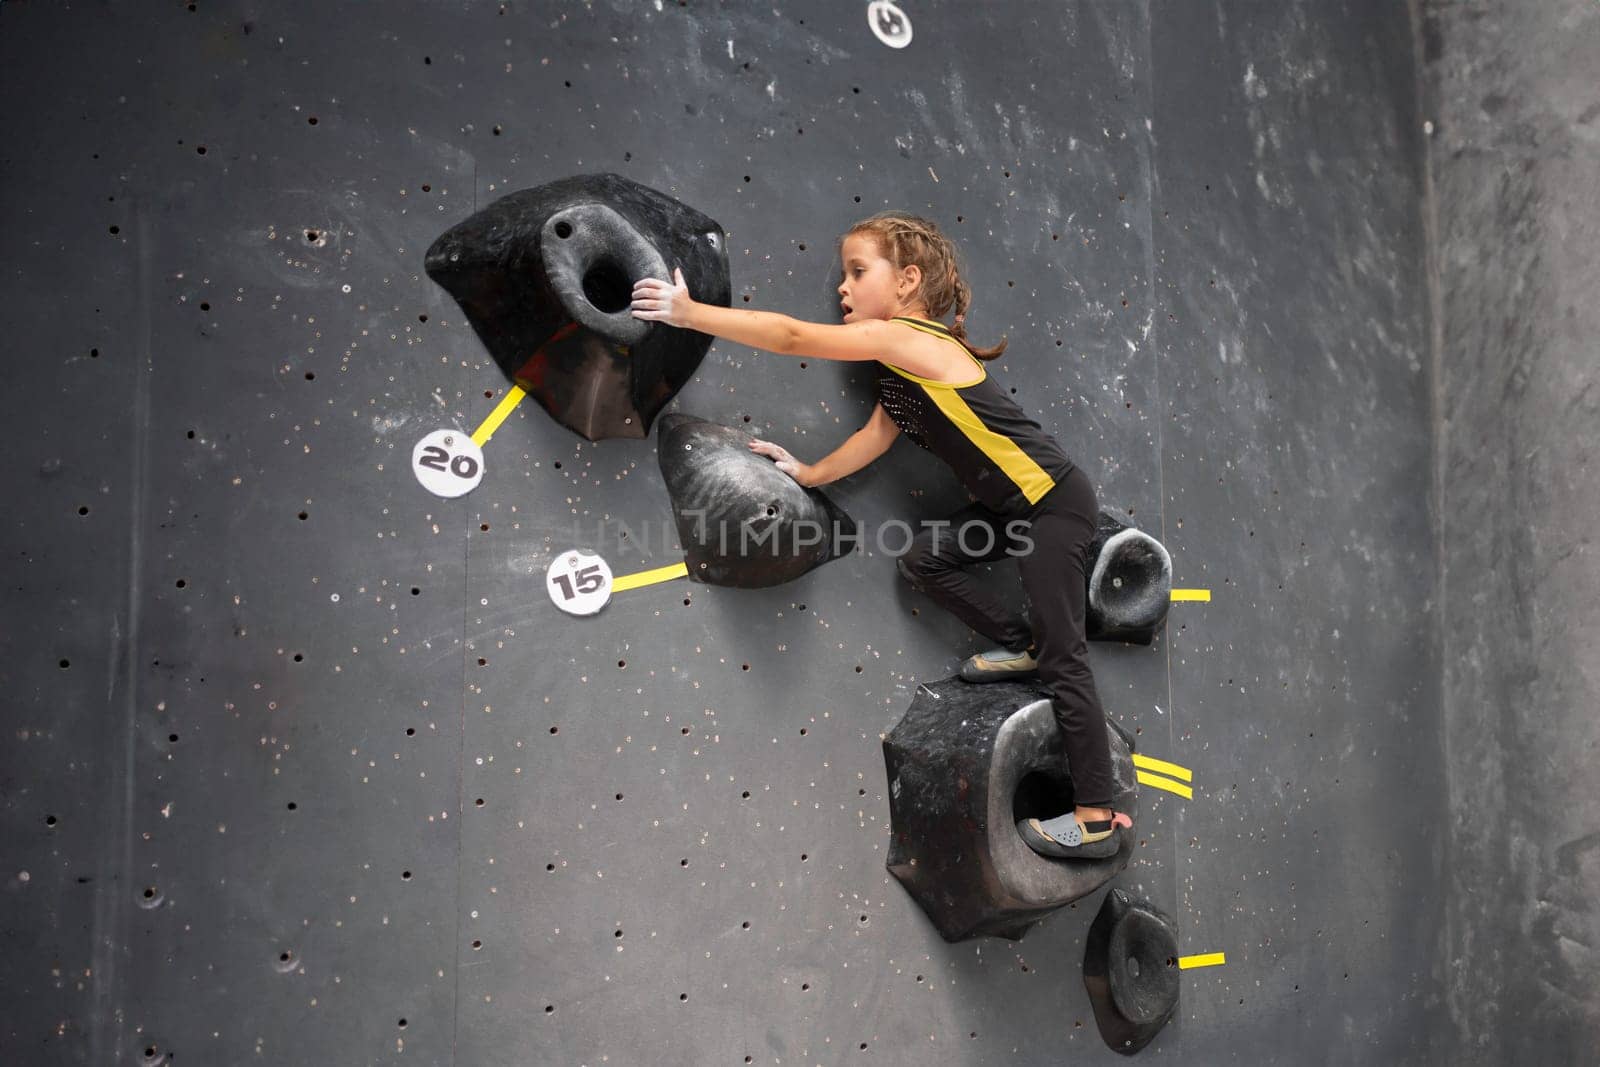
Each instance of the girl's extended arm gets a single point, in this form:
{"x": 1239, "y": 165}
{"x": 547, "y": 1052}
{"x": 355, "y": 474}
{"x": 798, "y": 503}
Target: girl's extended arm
{"x": 787, "y": 336}
{"x": 661, "y": 301}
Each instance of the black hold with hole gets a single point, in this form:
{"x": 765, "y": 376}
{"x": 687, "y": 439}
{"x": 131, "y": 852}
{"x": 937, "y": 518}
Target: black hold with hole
{"x": 964, "y": 764}
{"x": 545, "y": 276}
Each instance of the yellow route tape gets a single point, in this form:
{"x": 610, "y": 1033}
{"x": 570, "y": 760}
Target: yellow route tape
{"x": 507, "y": 405}
{"x": 1208, "y": 959}
{"x": 1152, "y": 764}
{"x": 660, "y": 574}
{"x": 1158, "y": 782}
{"x": 1202, "y": 595}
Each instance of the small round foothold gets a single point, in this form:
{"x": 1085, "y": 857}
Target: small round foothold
{"x": 1132, "y": 986}
{"x": 1142, "y": 986}
{"x": 1130, "y": 586}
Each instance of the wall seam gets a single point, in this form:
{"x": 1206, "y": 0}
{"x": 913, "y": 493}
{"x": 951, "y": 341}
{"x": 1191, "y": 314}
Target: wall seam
{"x": 1438, "y": 444}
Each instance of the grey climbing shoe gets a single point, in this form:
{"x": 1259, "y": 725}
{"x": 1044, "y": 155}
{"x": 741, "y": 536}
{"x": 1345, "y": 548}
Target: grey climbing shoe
{"x": 1000, "y": 665}
{"x": 1065, "y": 838}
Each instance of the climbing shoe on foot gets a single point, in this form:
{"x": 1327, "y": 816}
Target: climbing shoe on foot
{"x": 1064, "y": 837}
{"x": 999, "y": 665}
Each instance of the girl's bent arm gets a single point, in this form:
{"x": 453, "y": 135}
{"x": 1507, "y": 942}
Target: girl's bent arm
{"x": 859, "y": 449}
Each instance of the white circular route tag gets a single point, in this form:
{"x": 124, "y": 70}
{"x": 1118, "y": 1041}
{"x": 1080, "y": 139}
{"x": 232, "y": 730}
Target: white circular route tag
{"x": 448, "y": 463}
{"x": 890, "y": 24}
{"x": 579, "y": 582}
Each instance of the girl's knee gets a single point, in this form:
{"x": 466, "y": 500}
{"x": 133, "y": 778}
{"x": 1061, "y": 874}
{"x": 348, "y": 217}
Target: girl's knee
{"x": 917, "y": 562}
{"x": 909, "y": 566}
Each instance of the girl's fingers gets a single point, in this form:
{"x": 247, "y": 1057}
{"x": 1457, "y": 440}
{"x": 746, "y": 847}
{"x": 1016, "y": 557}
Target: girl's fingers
{"x": 779, "y": 455}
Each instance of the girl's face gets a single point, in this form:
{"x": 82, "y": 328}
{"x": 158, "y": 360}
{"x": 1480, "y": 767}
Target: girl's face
{"x": 870, "y": 288}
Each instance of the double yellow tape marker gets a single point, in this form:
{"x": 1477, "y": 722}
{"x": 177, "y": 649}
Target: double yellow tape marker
{"x": 1149, "y": 771}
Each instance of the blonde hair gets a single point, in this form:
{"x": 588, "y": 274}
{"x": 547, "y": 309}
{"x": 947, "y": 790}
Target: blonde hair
{"x": 904, "y": 239}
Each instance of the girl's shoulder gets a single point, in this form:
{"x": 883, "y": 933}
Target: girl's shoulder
{"x": 925, "y": 359}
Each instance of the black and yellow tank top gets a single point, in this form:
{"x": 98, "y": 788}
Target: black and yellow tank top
{"x": 1003, "y": 457}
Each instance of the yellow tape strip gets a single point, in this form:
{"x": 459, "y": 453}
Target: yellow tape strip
{"x": 507, "y": 405}
{"x": 660, "y": 574}
{"x": 1202, "y": 595}
{"x": 1208, "y": 959}
{"x": 1155, "y": 780}
{"x": 1151, "y": 764}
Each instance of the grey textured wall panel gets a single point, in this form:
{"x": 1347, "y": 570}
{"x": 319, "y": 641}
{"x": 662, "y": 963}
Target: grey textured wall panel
{"x": 1516, "y": 167}
{"x": 1294, "y": 461}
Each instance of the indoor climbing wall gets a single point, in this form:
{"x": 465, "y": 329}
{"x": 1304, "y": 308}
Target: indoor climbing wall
{"x": 305, "y": 764}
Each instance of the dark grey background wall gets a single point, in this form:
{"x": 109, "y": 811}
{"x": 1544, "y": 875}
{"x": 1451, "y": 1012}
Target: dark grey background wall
{"x": 1516, "y": 161}
{"x": 301, "y": 764}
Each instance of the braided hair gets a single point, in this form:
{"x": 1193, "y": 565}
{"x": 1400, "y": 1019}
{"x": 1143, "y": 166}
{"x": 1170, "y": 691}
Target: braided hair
{"x": 904, "y": 239}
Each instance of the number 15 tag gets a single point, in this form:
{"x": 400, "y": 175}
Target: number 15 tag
{"x": 579, "y": 582}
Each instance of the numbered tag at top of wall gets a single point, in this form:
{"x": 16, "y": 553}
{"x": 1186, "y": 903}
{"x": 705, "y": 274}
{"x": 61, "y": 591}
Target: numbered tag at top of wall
{"x": 448, "y": 463}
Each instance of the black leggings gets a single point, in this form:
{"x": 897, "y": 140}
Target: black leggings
{"x": 1053, "y": 573}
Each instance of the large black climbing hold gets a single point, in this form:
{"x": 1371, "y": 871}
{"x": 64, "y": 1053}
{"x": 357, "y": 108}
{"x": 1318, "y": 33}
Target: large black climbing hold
{"x": 1130, "y": 581}
{"x": 1130, "y": 967}
{"x": 965, "y": 763}
{"x": 546, "y": 278}
{"x": 741, "y": 520}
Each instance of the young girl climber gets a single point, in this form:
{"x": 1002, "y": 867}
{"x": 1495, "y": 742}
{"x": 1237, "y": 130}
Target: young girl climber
{"x": 899, "y": 275}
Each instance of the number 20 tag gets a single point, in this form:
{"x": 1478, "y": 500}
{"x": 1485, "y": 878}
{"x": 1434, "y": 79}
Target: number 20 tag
{"x": 579, "y": 582}
{"x": 448, "y": 463}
